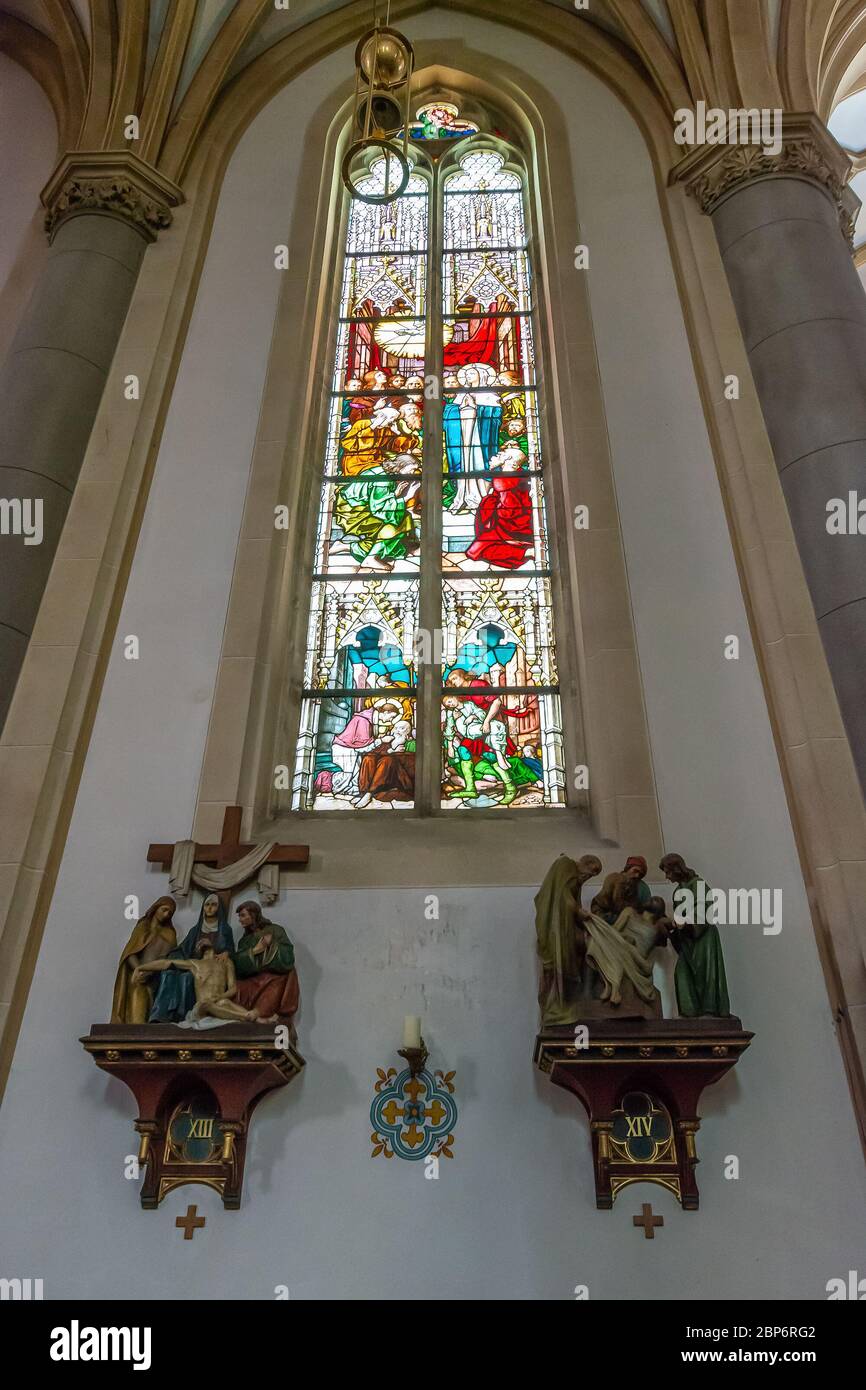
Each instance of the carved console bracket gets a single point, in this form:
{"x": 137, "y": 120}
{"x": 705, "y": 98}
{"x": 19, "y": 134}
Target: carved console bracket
{"x": 712, "y": 172}
{"x": 196, "y": 1092}
{"x": 640, "y": 1083}
{"x": 114, "y": 183}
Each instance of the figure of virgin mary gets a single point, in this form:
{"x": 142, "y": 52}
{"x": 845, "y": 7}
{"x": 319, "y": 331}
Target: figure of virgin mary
{"x": 471, "y": 421}
{"x": 175, "y": 996}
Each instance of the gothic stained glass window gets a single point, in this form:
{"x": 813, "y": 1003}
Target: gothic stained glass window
{"x": 417, "y": 538}
{"x": 500, "y": 718}
{"x": 357, "y": 736}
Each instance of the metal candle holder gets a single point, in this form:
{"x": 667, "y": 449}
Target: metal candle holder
{"x": 415, "y": 1057}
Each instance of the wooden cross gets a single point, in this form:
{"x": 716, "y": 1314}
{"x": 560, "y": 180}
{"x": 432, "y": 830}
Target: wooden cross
{"x": 230, "y": 850}
{"x": 648, "y": 1221}
{"x": 190, "y": 1223}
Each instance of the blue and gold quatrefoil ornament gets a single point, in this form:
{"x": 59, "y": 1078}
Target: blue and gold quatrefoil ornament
{"x": 413, "y": 1117}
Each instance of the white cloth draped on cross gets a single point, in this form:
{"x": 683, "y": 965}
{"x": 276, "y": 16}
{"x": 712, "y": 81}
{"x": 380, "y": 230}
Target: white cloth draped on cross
{"x": 185, "y": 871}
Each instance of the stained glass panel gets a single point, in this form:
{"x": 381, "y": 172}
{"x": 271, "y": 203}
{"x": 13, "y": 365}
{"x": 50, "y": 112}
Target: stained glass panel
{"x": 377, "y": 353}
{"x": 494, "y": 281}
{"x": 356, "y": 752}
{"x": 495, "y": 520}
{"x": 493, "y": 664}
{"x": 483, "y": 218}
{"x": 361, "y": 633}
{"x": 401, "y": 225}
{"x": 484, "y": 169}
{"x": 479, "y": 424}
{"x": 500, "y": 750}
{"x": 497, "y": 614}
{"x": 370, "y": 429}
{"x": 482, "y": 343}
{"x": 391, "y": 283}
{"x": 370, "y": 526}
{"x": 500, "y": 627}
{"x": 439, "y": 120}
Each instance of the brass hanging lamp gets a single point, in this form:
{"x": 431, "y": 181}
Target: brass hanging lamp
{"x": 384, "y": 63}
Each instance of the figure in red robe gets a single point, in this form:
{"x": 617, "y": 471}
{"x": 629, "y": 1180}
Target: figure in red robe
{"x": 265, "y": 966}
{"x": 503, "y": 521}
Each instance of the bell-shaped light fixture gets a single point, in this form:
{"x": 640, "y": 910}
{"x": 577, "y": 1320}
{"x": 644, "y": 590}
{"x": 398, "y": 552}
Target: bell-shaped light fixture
{"x": 384, "y": 62}
{"x": 384, "y": 58}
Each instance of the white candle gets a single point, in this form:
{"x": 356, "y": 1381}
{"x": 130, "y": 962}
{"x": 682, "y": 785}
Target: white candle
{"x": 411, "y": 1031}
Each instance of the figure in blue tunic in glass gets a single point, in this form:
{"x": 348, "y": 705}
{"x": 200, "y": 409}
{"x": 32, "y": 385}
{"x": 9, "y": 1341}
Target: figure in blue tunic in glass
{"x": 471, "y": 422}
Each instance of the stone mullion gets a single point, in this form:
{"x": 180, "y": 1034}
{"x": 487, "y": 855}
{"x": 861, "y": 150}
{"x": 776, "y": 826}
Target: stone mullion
{"x": 430, "y": 605}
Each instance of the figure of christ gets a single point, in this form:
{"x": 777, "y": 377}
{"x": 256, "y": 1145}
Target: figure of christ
{"x": 648, "y": 925}
{"x": 619, "y": 946}
{"x": 175, "y": 994}
{"x": 503, "y": 521}
{"x": 442, "y": 123}
{"x": 592, "y": 968}
{"x": 215, "y": 985}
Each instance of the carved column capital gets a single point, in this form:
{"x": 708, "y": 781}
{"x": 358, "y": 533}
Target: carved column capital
{"x": 712, "y": 172}
{"x": 114, "y": 183}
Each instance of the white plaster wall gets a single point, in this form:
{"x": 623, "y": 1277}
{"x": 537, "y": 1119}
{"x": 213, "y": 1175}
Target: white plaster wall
{"x": 512, "y": 1216}
{"x": 28, "y": 149}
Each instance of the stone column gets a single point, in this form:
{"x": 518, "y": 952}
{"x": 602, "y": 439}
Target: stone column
{"x": 784, "y": 225}
{"x": 103, "y": 210}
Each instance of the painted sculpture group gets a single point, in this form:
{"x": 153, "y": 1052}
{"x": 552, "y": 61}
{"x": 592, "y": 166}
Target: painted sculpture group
{"x": 597, "y": 962}
{"x": 208, "y": 979}
{"x": 596, "y": 965}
